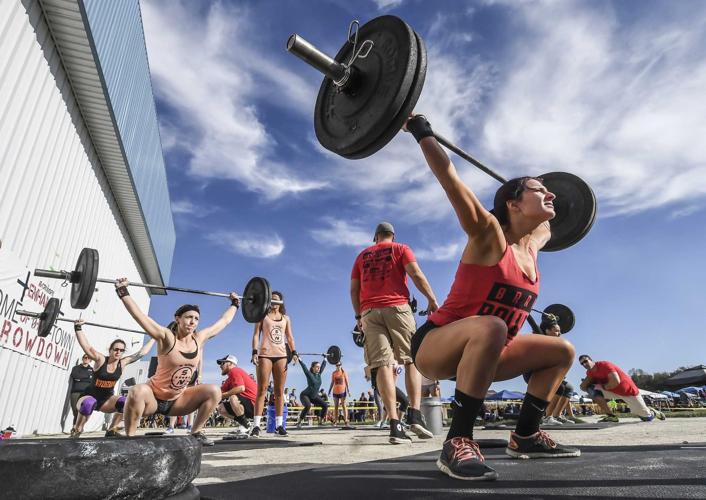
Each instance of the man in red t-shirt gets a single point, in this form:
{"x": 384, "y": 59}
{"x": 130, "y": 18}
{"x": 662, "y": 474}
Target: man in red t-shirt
{"x": 238, "y": 391}
{"x": 604, "y": 380}
{"x": 380, "y": 300}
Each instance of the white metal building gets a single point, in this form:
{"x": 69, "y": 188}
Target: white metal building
{"x": 81, "y": 165}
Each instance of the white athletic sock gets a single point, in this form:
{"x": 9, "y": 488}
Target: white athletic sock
{"x": 256, "y": 421}
{"x": 278, "y": 421}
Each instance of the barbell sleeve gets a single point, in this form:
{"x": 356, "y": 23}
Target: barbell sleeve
{"x": 315, "y": 58}
{"x": 58, "y": 275}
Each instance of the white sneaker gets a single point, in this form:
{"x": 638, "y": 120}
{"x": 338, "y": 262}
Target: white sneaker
{"x": 564, "y": 420}
{"x": 379, "y": 424}
{"x": 552, "y": 421}
{"x": 169, "y": 430}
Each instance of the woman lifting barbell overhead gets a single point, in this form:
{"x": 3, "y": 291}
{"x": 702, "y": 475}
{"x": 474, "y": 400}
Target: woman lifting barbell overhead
{"x": 108, "y": 370}
{"x": 179, "y": 353}
{"x": 472, "y": 336}
{"x": 269, "y": 355}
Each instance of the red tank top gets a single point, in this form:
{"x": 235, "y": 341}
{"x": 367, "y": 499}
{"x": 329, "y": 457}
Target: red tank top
{"x": 502, "y": 290}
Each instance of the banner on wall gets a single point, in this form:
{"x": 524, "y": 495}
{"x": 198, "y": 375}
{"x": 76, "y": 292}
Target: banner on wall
{"x": 19, "y": 289}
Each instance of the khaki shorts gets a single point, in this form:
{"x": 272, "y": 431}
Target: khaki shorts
{"x": 388, "y": 335}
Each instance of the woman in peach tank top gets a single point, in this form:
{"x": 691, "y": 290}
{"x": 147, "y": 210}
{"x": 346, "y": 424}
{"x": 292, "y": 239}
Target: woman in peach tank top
{"x": 179, "y": 353}
{"x": 269, "y": 355}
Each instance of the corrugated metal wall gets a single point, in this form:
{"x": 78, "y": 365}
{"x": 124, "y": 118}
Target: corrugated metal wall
{"x": 116, "y": 28}
{"x": 54, "y": 200}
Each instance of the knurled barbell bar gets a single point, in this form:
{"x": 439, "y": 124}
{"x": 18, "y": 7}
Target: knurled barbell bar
{"x": 255, "y": 301}
{"x": 363, "y": 103}
{"x": 50, "y": 316}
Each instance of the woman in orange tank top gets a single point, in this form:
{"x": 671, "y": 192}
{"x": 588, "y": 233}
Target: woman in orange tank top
{"x": 471, "y": 337}
{"x": 269, "y": 355}
{"x": 179, "y": 353}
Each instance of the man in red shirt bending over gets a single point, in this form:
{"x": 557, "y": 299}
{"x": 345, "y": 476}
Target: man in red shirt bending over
{"x": 604, "y": 380}
{"x": 380, "y": 298}
{"x": 238, "y": 392}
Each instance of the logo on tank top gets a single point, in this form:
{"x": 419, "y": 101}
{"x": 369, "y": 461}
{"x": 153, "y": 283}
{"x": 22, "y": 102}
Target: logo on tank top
{"x": 276, "y": 336}
{"x": 509, "y": 303}
{"x": 181, "y": 377}
{"x": 105, "y": 384}
{"x": 377, "y": 264}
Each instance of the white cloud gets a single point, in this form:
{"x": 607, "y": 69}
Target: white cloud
{"x": 187, "y": 207}
{"x": 263, "y": 246}
{"x": 387, "y": 4}
{"x": 206, "y": 69}
{"x": 620, "y": 105}
{"x": 441, "y": 253}
{"x": 339, "y": 232}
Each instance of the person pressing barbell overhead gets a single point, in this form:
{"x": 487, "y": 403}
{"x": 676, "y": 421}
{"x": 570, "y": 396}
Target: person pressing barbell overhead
{"x": 238, "y": 392}
{"x": 379, "y": 295}
{"x": 179, "y": 353}
{"x": 605, "y": 380}
{"x": 269, "y": 355}
{"x": 472, "y": 336}
{"x": 108, "y": 369}
{"x": 311, "y": 393}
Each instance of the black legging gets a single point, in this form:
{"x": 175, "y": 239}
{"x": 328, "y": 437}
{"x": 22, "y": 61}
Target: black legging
{"x": 306, "y": 401}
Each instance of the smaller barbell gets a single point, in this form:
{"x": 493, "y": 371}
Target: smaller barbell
{"x": 255, "y": 301}
{"x": 333, "y": 355}
{"x": 50, "y": 315}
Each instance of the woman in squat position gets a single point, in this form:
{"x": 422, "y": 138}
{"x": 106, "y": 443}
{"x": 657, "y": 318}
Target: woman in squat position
{"x": 472, "y": 336}
{"x": 269, "y": 355}
{"x": 108, "y": 370}
{"x": 179, "y": 353}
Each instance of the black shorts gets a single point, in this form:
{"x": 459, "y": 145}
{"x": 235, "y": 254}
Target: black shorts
{"x": 274, "y": 359}
{"x": 419, "y": 335}
{"x": 247, "y": 406}
{"x": 163, "y": 407}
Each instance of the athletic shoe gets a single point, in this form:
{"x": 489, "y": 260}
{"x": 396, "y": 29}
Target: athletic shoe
{"x": 658, "y": 414}
{"x": 610, "y": 418}
{"x": 300, "y": 423}
{"x": 201, "y": 438}
{"x": 576, "y": 420}
{"x": 564, "y": 420}
{"x": 188, "y": 429}
{"x": 255, "y": 431}
{"x": 113, "y": 434}
{"x": 169, "y": 430}
{"x": 279, "y": 431}
{"x": 461, "y": 459}
{"x": 418, "y": 425}
{"x": 551, "y": 421}
{"x": 378, "y": 424}
{"x": 74, "y": 434}
{"x": 397, "y": 433}
{"x": 538, "y": 445}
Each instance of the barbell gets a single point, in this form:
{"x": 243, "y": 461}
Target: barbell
{"x": 560, "y": 313}
{"x": 255, "y": 301}
{"x": 333, "y": 354}
{"x": 50, "y": 315}
{"x": 369, "y": 91}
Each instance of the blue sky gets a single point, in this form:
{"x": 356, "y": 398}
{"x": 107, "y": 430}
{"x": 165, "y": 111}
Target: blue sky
{"x": 611, "y": 91}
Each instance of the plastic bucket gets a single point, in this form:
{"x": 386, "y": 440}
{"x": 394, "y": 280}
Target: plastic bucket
{"x": 271, "y": 418}
{"x": 431, "y": 408}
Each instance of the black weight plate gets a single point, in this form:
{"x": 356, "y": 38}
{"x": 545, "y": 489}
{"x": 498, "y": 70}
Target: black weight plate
{"x": 333, "y": 355}
{"x": 48, "y": 317}
{"x": 84, "y": 278}
{"x": 349, "y": 122}
{"x": 407, "y": 108}
{"x": 565, "y": 316}
{"x": 256, "y": 300}
{"x": 575, "y": 207}
{"x": 358, "y": 336}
